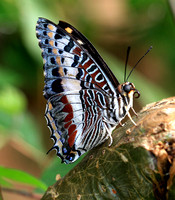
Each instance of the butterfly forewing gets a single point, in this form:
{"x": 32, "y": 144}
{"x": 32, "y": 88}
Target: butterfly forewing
{"x": 79, "y": 87}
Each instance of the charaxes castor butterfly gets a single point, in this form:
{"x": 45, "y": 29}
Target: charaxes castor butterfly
{"x": 85, "y": 101}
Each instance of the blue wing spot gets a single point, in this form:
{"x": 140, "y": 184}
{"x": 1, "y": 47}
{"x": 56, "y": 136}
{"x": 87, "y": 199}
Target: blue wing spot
{"x": 70, "y": 157}
{"x": 64, "y": 150}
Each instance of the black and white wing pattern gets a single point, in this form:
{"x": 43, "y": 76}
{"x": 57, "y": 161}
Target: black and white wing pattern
{"x": 83, "y": 104}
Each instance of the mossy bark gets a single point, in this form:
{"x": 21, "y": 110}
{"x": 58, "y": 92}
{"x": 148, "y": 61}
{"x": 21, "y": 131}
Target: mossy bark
{"x": 140, "y": 164}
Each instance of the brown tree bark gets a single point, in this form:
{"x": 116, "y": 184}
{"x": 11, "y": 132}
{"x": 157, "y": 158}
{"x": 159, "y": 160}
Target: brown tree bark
{"x": 140, "y": 164}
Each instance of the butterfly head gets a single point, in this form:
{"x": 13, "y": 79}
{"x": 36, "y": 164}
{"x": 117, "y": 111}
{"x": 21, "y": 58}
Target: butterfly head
{"x": 128, "y": 89}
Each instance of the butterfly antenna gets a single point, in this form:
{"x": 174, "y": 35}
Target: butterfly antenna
{"x": 126, "y": 63}
{"x": 138, "y": 62}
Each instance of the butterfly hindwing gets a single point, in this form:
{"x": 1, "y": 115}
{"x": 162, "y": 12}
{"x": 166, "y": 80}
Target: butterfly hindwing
{"x": 76, "y": 129}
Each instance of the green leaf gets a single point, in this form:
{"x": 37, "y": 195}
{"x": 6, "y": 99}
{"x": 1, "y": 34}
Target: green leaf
{"x": 21, "y": 177}
{"x": 5, "y": 183}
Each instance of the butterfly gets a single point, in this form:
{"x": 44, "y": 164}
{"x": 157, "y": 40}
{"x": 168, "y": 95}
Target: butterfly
{"x": 85, "y": 101}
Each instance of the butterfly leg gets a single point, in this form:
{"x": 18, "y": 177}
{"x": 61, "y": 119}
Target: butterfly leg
{"x": 120, "y": 123}
{"x": 134, "y": 111}
{"x": 109, "y": 122}
{"x": 131, "y": 119}
{"x": 110, "y": 136}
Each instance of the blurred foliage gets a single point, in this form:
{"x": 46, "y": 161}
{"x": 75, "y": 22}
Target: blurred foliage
{"x": 7, "y": 175}
{"x": 148, "y": 22}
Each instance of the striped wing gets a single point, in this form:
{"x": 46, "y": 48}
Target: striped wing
{"x": 79, "y": 87}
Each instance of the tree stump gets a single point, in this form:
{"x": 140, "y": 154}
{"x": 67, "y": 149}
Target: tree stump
{"x": 140, "y": 164}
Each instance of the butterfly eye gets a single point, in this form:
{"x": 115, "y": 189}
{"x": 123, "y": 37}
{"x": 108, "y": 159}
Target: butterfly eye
{"x": 127, "y": 88}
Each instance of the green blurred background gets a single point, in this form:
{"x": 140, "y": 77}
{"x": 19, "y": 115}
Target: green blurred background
{"x": 112, "y": 26}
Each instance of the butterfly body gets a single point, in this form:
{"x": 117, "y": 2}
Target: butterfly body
{"x": 85, "y": 101}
